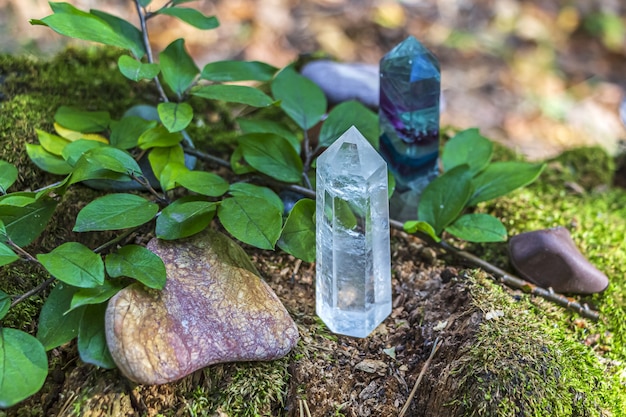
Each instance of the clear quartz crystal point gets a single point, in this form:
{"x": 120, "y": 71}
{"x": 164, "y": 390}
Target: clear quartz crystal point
{"x": 353, "y": 282}
{"x": 410, "y": 88}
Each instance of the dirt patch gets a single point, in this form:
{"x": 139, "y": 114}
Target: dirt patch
{"x": 374, "y": 376}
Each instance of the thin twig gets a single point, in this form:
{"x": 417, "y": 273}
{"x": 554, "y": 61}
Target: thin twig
{"x": 306, "y": 408}
{"x": 143, "y": 181}
{"x": 32, "y": 291}
{"x": 502, "y": 276}
{"x": 308, "y": 157}
{"x": 206, "y": 157}
{"x": 19, "y": 250}
{"x": 146, "y": 44}
{"x": 116, "y": 240}
{"x": 419, "y": 378}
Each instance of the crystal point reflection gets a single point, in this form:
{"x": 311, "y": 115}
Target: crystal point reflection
{"x": 353, "y": 282}
{"x": 410, "y": 88}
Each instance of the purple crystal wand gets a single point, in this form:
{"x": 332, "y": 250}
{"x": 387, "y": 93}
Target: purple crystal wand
{"x": 410, "y": 87}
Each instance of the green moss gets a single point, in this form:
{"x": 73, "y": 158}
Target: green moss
{"x": 589, "y": 167}
{"x": 537, "y": 359}
{"x": 240, "y": 389}
{"x": 32, "y": 90}
{"x": 17, "y": 279}
{"x": 523, "y": 364}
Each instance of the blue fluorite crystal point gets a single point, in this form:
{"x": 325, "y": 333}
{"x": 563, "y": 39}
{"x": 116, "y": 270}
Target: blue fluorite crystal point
{"x": 410, "y": 87}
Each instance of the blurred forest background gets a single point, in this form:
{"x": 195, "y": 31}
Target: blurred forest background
{"x": 540, "y": 75}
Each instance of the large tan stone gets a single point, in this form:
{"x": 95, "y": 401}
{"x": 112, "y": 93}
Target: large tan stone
{"x": 214, "y": 308}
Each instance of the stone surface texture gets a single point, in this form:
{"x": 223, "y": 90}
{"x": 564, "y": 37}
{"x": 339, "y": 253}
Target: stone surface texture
{"x": 214, "y": 308}
{"x": 550, "y": 259}
{"x": 353, "y": 281}
{"x": 345, "y": 81}
{"x": 410, "y": 89}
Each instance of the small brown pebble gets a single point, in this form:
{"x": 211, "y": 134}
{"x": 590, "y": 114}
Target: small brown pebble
{"x": 549, "y": 258}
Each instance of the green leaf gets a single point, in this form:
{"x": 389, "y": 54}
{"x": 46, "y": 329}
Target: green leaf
{"x": 478, "y": 227}
{"x": 160, "y": 157}
{"x": 346, "y": 115}
{"x": 47, "y": 161}
{"x": 5, "y": 304}
{"x": 57, "y": 326}
{"x": 270, "y": 126}
{"x": 224, "y": 71}
{"x": 23, "y": 366}
{"x": 391, "y": 184}
{"x": 238, "y": 164}
{"x": 501, "y": 178}
{"x": 51, "y": 143}
{"x": 115, "y": 211}
{"x": 74, "y": 264}
{"x": 105, "y": 162}
{"x": 445, "y": 197}
{"x": 54, "y": 191}
{"x": 137, "y": 262}
{"x": 96, "y": 295}
{"x": 136, "y": 70}
{"x": 74, "y": 150}
{"x": 8, "y": 175}
{"x": 298, "y": 235}
{"x": 414, "y": 226}
{"x": 251, "y": 190}
{"x": 170, "y": 172}
{"x": 126, "y": 132}
{"x": 178, "y": 69}
{"x": 132, "y": 36}
{"x": 252, "y": 220}
{"x": 82, "y": 120}
{"x": 192, "y": 17}
{"x": 92, "y": 344}
{"x": 175, "y": 116}
{"x": 272, "y": 155}
{"x": 467, "y": 147}
{"x": 69, "y": 21}
{"x": 25, "y": 223}
{"x": 19, "y": 199}
{"x": 184, "y": 217}
{"x": 159, "y": 137}
{"x": 201, "y": 182}
{"x": 300, "y": 98}
{"x": 145, "y": 3}
{"x": 7, "y": 255}
{"x": 233, "y": 94}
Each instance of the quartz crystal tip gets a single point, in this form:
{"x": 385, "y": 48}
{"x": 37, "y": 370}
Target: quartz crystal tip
{"x": 353, "y": 276}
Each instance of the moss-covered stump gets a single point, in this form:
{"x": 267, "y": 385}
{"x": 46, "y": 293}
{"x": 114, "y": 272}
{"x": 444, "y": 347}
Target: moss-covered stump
{"x": 503, "y": 352}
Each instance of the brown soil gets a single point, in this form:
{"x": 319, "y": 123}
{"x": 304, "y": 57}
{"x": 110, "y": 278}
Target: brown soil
{"x": 361, "y": 377}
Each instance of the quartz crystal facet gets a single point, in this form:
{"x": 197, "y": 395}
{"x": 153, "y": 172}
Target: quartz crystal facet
{"x": 410, "y": 88}
{"x": 353, "y": 282}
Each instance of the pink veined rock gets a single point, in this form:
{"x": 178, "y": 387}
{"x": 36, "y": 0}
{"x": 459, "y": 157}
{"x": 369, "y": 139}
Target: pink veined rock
{"x": 550, "y": 259}
{"x": 214, "y": 308}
